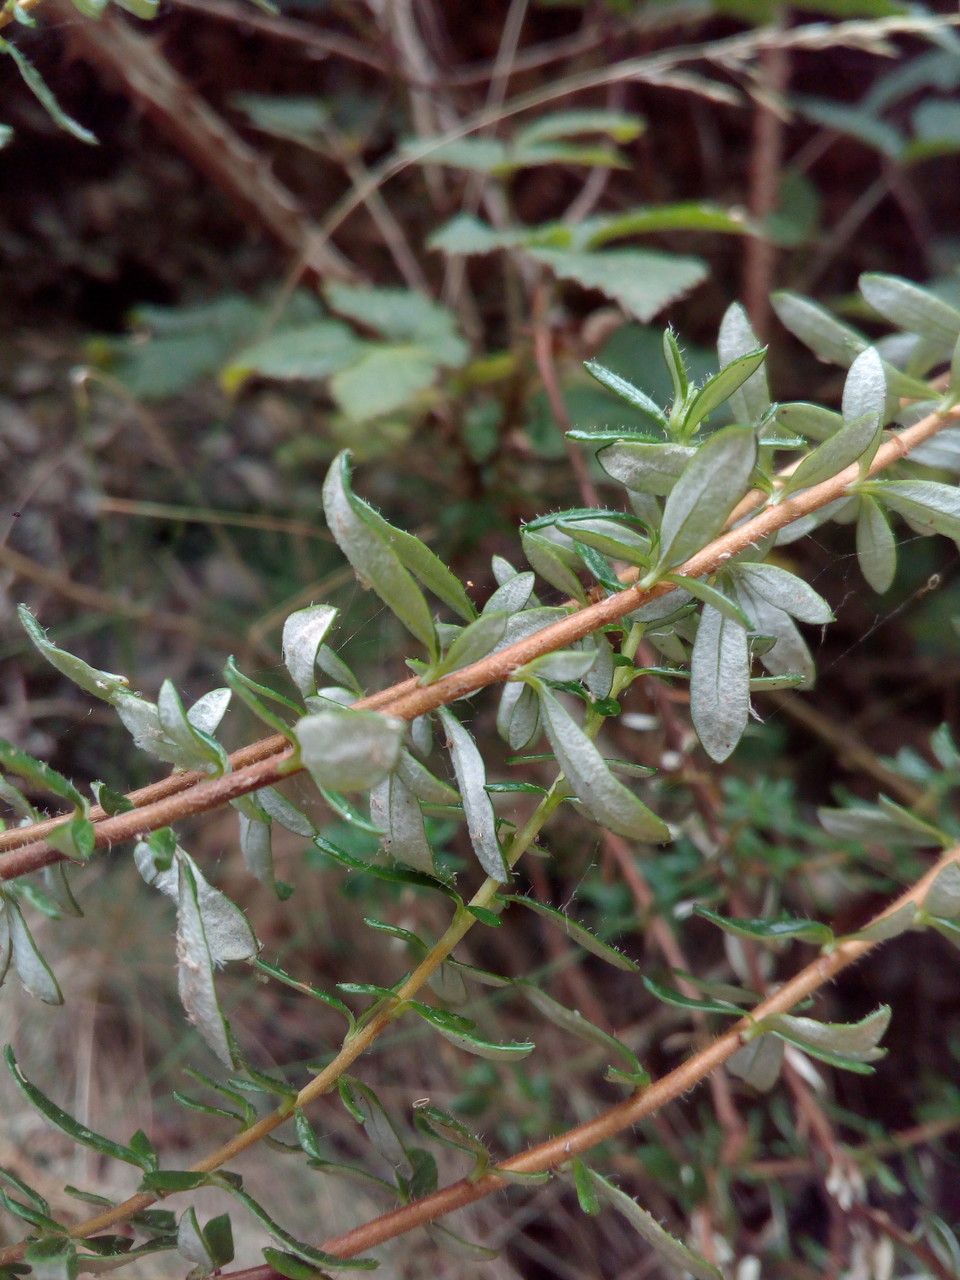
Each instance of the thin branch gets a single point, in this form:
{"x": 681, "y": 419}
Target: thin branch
{"x": 411, "y": 699}
{"x": 557, "y": 1151}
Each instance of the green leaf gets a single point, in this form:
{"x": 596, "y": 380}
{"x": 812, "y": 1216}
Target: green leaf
{"x": 303, "y": 633}
{"x": 315, "y": 351}
{"x": 578, "y": 932}
{"x": 909, "y": 307}
{"x": 718, "y": 389}
{"x": 68, "y": 1125}
{"x": 474, "y": 642}
{"x": 101, "y": 684}
{"x": 374, "y": 559}
{"x": 44, "y": 94}
{"x": 367, "y": 1109}
{"x": 274, "y": 971}
{"x": 471, "y": 781}
{"x": 349, "y": 750}
{"x": 784, "y": 590}
{"x": 668, "y": 995}
{"x": 626, "y": 391}
{"x": 943, "y": 897}
{"x": 395, "y": 809}
{"x": 786, "y": 929}
{"x": 464, "y": 1034}
{"x": 518, "y": 715}
{"x": 674, "y": 1252}
{"x": 401, "y": 315}
{"x": 385, "y": 379}
{"x": 606, "y": 799}
{"x": 191, "y": 748}
{"x": 688, "y": 215}
{"x": 642, "y": 282}
{"x": 195, "y": 969}
{"x": 873, "y": 825}
{"x": 719, "y": 683}
{"x": 817, "y": 329}
{"x": 929, "y": 506}
{"x": 851, "y": 442}
{"x": 735, "y": 341}
{"x": 550, "y": 562}
{"x": 572, "y": 1020}
{"x": 789, "y": 654}
{"x": 710, "y": 486}
{"x": 810, "y": 420}
{"x": 715, "y": 598}
{"x": 17, "y": 944}
{"x": 52, "y": 1259}
{"x": 622, "y": 126}
{"x": 645, "y": 468}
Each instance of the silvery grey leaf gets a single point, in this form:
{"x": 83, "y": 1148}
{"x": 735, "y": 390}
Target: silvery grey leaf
{"x": 599, "y": 676}
{"x": 471, "y": 781}
{"x": 712, "y": 484}
{"x": 195, "y": 970}
{"x": 604, "y": 797}
{"x": 303, "y": 633}
{"x": 719, "y": 683}
{"x": 208, "y": 710}
{"x": 736, "y": 338}
{"x": 758, "y": 1062}
{"x": 349, "y": 750}
{"x": 876, "y": 547}
{"x": 512, "y": 595}
{"x": 943, "y": 896}
{"x": 786, "y": 591}
{"x": 518, "y": 715}
{"x": 645, "y": 468}
{"x": 681, "y": 1259}
{"x": 789, "y": 655}
{"x": 257, "y": 848}
{"x": 395, "y": 809}
{"x": 852, "y": 441}
{"x": 281, "y": 810}
{"x": 32, "y": 970}
{"x": 909, "y": 307}
{"x": 425, "y": 785}
{"x": 546, "y": 559}
{"x": 929, "y": 506}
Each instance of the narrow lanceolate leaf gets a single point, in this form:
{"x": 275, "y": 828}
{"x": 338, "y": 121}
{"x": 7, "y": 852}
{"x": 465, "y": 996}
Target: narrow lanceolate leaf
{"x": 851, "y": 442}
{"x": 718, "y": 389}
{"x": 349, "y": 750}
{"x": 578, "y": 932}
{"x": 518, "y": 715}
{"x": 474, "y": 642}
{"x": 750, "y": 401}
{"x": 548, "y": 561}
{"x": 865, "y": 389}
{"x": 464, "y": 1034}
{"x": 876, "y": 546}
{"x": 511, "y": 596}
{"x": 374, "y": 560}
{"x": 786, "y": 591}
{"x": 394, "y": 808}
{"x": 303, "y": 634}
{"x": 572, "y": 1020}
{"x": 673, "y": 1251}
{"x": 645, "y": 468}
{"x": 626, "y": 391}
{"x": 929, "y": 506}
{"x": 195, "y": 970}
{"x": 101, "y": 684}
{"x": 712, "y": 596}
{"x": 471, "y": 782}
{"x": 32, "y": 970}
{"x": 711, "y": 485}
{"x": 425, "y": 785}
{"x": 209, "y": 709}
{"x": 789, "y": 654}
{"x": 190, "y": 746}
{"x": 67, "y": 1124}
{"x": 719, "y": 683}
{"x": 909, "y": 307}
{"x": 817, "y": 329}
{"x": 943, "y": 896}
{"x": 44, "y": 94}
{"x": 607, "y": 800}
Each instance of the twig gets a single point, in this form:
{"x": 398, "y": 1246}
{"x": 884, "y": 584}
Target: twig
{"x": 410, "y": 699}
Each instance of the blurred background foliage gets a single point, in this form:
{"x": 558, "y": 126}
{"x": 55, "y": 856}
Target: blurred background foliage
{"x": 402, "y": 228}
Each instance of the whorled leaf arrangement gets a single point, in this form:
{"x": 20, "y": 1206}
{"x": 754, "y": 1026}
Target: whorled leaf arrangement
{"x": 686, "y": 568}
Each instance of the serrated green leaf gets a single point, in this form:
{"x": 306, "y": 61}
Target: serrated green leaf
{"x": 471, "y": 781}
{"x": 606, "y": 799}
{"x": 710, "y": 486}
{"x": 642, "y": 282}
{"x": 315, "y": 351}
